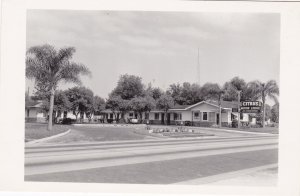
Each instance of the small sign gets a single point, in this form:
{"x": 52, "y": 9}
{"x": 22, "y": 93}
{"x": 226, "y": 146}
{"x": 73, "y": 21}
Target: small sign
{"x": 250, "y": 107}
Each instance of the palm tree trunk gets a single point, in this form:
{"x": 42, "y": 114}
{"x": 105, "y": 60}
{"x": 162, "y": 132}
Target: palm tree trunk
{"x": 49, "y": 128}
{"x": 264, "y": 112}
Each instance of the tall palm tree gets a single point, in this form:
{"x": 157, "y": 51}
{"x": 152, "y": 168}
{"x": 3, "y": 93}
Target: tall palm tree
{"x": 49, "y": 67}
{"x": 260, "y": 90}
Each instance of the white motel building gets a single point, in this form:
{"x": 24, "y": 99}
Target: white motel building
{"x": 203, "y": 114}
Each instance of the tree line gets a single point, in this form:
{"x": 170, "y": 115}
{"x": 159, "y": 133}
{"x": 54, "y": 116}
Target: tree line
{"x": 48, "y": 67}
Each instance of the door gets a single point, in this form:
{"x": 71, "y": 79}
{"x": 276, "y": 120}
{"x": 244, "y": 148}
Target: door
{"x": 162, "y": 118}
{"x": 218, "y": 118}
{"x": 168, "y": 118}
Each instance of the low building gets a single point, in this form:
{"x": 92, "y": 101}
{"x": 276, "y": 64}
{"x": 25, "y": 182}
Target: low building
{"x": 204, "y": 114}
{"x": 34, "y": 112}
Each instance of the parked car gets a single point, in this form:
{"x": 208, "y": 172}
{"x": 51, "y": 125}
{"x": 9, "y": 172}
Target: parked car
{"x": 134, "y": 121}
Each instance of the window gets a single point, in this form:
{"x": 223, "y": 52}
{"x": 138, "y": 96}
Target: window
{"x": 130, "y": 114}
{"x": 196, "y": 115}
{"x": 156, "y": 116}
{"x": 177, "y": 116}
{"x": 204, "y": 117}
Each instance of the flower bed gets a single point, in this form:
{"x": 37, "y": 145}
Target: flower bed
{"x": 177, "y": 132}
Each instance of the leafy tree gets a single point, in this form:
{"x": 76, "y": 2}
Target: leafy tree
{"x": 154, "y": 92}
{"x": 138, "y": 105}
{"x": 261, "y": 90}
{"x": 175, "y": 92}
{"x": 157, "y": 93}
{"x": 185, "y": 94}
{"x": 81, "y": 100}
{"x": 268, "y": 112}
{"x": 190, "y": 93}
{"x": 128, "y": 87}
{"x": 275, "y": 113}
{"x": 98, "y": 104}
{"x": 165, "y": 102}
{"x": 142, "y": 104}
{"x": 232, "y": 88}
{"x": 48, "y": 67}
{"x": 113, "y": 103}
{"x": 214, "y": 92}
{"x": 124, "y": 107}
{"x": 150, "y": 103}
{"x": 209, "y": 91}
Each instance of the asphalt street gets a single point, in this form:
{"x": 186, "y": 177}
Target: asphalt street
{"x": 160, "y": 161}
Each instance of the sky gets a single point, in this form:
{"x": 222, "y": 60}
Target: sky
{"x": 161, "y": 47}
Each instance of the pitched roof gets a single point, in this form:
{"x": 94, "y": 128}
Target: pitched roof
{"x": 180, "y": 107}
{"x": 225, "y": 104}
{"x": 33, "y": 104}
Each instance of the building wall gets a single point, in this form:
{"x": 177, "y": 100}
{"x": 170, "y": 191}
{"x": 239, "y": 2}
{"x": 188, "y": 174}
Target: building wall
{"x": 186, "y": 115}
{"x": 205, "y": 108}
{"x": 34, "y": 115}
{"x": 226, "y": 117}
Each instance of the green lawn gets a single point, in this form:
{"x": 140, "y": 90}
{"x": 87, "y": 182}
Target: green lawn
{"x": 273, "y": 130}
{"x": 35, "y": 131}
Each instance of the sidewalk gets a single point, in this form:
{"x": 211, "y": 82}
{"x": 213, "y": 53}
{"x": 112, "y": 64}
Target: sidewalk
{"x": 266, "y": 177}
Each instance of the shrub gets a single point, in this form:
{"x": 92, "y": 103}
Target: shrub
{"x": 68, "y": 121}
{"x": 187, "y": 123}
{"x": 234, "y": 123}
{"x": 110, "y": 120}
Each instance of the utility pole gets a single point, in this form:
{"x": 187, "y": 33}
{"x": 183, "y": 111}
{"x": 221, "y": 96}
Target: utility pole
{"x": 239, "y": 100}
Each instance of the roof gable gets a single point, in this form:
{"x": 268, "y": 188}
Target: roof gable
{"x": 202, "y": 102}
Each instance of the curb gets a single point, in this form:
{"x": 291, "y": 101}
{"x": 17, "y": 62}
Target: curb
{"x": 47, "y": 138}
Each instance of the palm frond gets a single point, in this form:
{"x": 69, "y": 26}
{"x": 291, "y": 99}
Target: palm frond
{"x": 274, "y": 97}
{"x": 255, "y": 89}
{"x": 65, "y": 54}
{"x": 71, "y": 71}
{"x": 45, "y": 54}
{"x": 271, "y": 88}
{"x": 35, "y": 69}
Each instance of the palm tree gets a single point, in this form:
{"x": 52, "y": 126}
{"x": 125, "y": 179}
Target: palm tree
{"x": 48, "y": 67}
{"x": 260, "y": 90}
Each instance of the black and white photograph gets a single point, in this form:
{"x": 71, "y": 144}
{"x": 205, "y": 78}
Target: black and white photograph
{"x": 146, "y": 97}
{"x": 149, "y": 98}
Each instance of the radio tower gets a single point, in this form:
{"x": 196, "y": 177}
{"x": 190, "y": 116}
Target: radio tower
{"x": 198, "y": 69}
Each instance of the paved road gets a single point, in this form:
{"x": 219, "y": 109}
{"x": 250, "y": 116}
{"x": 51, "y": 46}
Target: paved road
{"x": 161, "y": 161}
